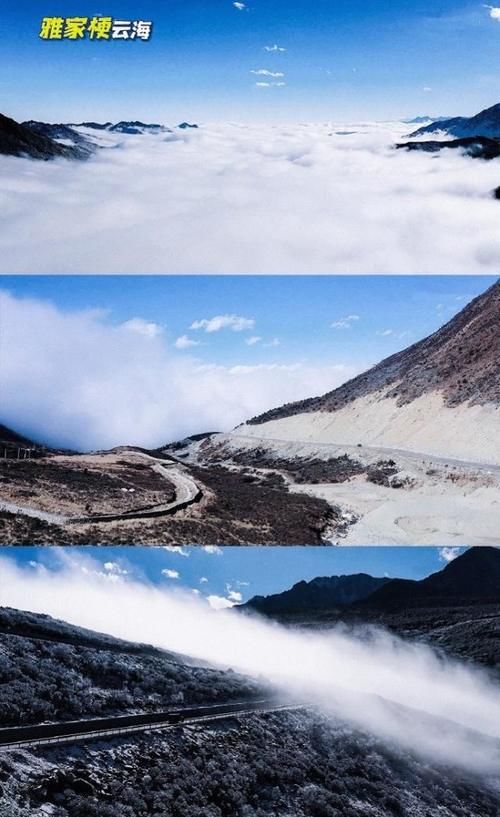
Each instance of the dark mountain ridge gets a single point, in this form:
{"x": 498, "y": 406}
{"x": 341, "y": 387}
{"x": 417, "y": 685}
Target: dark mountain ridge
{"x": 461, "y": 360}
{"x": 473, "y": 577}
{"x": 484, "y": 123}
{"x": 21, "y": 140}
{"x": 477, "y": 147}
{"x": 319, "y": 594}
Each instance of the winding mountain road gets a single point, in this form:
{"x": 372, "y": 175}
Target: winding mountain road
{"x": 186, "y": 492}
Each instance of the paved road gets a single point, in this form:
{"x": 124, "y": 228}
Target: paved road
{"x": 83, "y": 730}
{"x": 186, "y": 492}
{"x": 403, "y": 452}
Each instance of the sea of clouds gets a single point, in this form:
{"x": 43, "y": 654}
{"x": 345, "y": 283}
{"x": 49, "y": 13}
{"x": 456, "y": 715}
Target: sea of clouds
{"x": 308, "y": 198}
{"x": 78, "y": 380}
{"x": 405, "y": 693}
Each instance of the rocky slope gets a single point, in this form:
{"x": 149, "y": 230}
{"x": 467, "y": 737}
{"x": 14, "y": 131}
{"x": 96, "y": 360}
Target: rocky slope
{"x": 32, "y": 139}
{"x": 440, "y": 396}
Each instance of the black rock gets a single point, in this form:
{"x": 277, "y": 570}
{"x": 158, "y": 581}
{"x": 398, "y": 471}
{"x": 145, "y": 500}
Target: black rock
{"x": 478, "y": 147}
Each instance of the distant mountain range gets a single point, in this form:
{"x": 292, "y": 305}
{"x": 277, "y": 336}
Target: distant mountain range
{"x": 319, "y": 594}
{"x": 41, "y": 140}
{"x": 485, "y": 123}
{"x": 473, "y": 577}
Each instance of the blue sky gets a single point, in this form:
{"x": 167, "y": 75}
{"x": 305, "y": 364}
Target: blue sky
{"x": 382, "y": 60}
{"x": 354, "y": 320}
{"x": 248, "y": 571}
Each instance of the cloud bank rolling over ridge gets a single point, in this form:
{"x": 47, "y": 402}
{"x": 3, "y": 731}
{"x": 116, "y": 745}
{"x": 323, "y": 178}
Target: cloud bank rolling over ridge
{"x": 404, "y": 693}
{"x": 252, "y": 199}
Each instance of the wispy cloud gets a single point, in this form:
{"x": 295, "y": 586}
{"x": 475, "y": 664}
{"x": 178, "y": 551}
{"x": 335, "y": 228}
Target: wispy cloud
{"x": 240, "y": 6}
{"x": 177, "y": 550}
{"x": 265, "y": 72}
{"x": 270, "y": 84}
{"x": 447, "y": 554}
{"x": 213, "y": 550}
{"x": 235, "y": 322}
{"x": 184, "y": 342}
{"x": 253, "y": 340}
{"x": 384, "y": 333}
{"x": 141, "y": 327}
{"x": 345, "y": 323}
{"x": 171, "y": 574}
{"x": 274, "y": 48}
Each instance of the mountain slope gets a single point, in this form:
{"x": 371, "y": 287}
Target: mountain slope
{"x": 440, "y": 395}
{"x": 319, "y": 594}
{"x": 485, "y": 123}
{"x": 21, "y": 140}
{"x": 474, "y": 576}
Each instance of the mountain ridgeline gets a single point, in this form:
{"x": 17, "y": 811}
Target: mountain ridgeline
{"x": 43, "y": 140}
{"x": 485, "y": 123}
{"x": 461, "y": 361}
{"x": 473, "y": 577}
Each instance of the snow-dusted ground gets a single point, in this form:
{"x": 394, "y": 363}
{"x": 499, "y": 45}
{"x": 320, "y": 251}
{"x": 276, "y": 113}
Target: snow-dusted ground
{"x": 308, "y": 198}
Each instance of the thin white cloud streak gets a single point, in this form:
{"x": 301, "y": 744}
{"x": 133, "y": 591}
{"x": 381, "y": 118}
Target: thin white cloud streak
{"x": 235, "y": 322}
{"x": 265, "y": 72}
{"x": 401, "y": 692}
{"x": 259, "y": 199}
{"x": 274, "y": 48}
{"x": 76, "y": 380}
{"x": 346, "y": 322}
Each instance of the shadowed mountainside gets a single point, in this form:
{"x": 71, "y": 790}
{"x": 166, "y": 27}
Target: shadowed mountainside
{"x": 461, "y": 361}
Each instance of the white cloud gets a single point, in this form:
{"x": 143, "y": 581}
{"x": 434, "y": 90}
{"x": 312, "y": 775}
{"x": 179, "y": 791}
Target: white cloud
{"x": 177, "y": 550}
{"x": 447, "y": 554}
{"x": 426, "y": 89}
{"x": 384, "y": 333}
{"x": 240, "y": 6}
{"x": 184, "y": 342}
{"x": 141, "y": 327}
{"x": 291, "y": 200}
{"x": 170, "y": 574}
{"x": 219, "y": 602}
{"x": 235, "y": 596}
{"x": 346, "y": 322}
{"x": 273, "y": 343}
{"x": 115, "y": 568}
{"x": 74, "y": 379}
{"x": 494, "y": 12}
{"x": 270, "y": 84}
{"x": 235, "y": 322}
{"x": 264, "y": 72}
{"x": 203, "y": 580}
{"x": 213, "y": 550}
{"x": 253, "y": 340}
{"x": 274, "y": 48}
